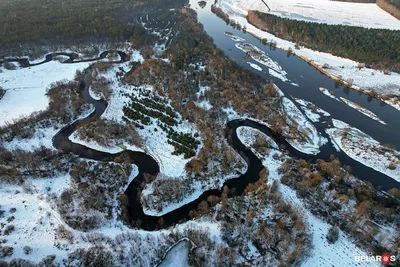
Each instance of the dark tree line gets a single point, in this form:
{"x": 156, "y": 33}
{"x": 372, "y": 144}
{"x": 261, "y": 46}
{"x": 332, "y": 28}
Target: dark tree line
{"x": 377, "y": 47}
{"x": 46, "y": 22}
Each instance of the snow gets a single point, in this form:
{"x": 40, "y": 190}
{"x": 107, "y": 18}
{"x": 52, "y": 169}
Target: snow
{"x": 247, "y": 136}
{"x": 261, "y": 57}
{"x": 32, "y": 220}
{"x": 113, "y": 147}
{"x": 296, "y": 117}
{"x": 36, "y": 220}
{"x": 255, "y": 66}
{"x": 361, "y": 109}
{"x": 338, "y": 68}
{"x": 234, "y": 37}
{"x": 342, "y": 252}
{"x": 26, "y": 88}
{"x": 320, "y": 11}
{"x": 42, "y": 136}
{"x": 178, "y": 256}
{"x": 205, "y": 104}
{"x": 364, "y": 149}
{"x": 312, "y": 112}
{"x": 327, "y": 93}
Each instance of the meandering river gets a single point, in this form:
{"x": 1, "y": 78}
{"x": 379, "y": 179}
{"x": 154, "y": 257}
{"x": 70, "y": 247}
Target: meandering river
{"x": 300, "y": 72}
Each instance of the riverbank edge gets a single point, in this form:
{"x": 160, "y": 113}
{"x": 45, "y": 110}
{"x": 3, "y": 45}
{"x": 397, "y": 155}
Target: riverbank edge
{"x": 385, "y": 97}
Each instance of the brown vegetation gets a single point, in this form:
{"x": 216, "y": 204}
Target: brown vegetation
{"x": 390, "y": 6}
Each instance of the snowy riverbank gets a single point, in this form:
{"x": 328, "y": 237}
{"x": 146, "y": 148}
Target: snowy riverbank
{"x": 342, "y": 252}
{"x": 338, "y": 68}
{"x": 363, "y": 148}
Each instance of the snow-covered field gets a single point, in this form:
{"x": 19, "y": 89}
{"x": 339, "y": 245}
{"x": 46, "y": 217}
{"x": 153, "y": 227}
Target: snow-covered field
{"x": 363, "y": 148}
{"x": 36, "y": 220}
{"x": 341, "y": 68}
{"x": 26, "y": 88}
{"x": 322, "y": 11}
{"x": 342, "y": 252}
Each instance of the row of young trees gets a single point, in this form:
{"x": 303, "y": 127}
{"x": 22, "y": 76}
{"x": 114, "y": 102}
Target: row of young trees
{"x": 377, "y": 47}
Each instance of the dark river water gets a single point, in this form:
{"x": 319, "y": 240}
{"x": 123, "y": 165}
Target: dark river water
{"x": 309, "y": 80}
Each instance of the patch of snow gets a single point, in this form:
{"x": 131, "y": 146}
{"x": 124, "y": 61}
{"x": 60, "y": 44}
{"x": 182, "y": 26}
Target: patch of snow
{"x": 296, "y": 117}
{"x": 261, "y": 57}
{"x": 26, "y": 88}
{"x": 313, "y": 112}
{"x": 41, "y": 136}
{"x": 364, "y": 149}
{"x": 255, "y": 66}
{"x": 234, "y": 37}
{"x": 327, "y": 93}
{"x": 361, "y": 109}
{"x": 205, "y": 104}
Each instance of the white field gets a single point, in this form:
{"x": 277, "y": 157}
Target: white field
{"x": 341, "y": 68}
{"x": 323, "y": 254}
{"x": 323, "y": 11}
{"x": 26, "y": 88}
{"x": 364, "y": 149}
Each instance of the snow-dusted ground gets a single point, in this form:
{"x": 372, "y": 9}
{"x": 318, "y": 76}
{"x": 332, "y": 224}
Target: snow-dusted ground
{"x": 296, "y": 117}
{"x": 42, "y": 136}
{"x": 363, "y": 148}
{"x": 313, "y": 112}
{"x": 341, "y": 68}
{"x": 361, "y": 109}
{"x": 36, "y": 220}
{"x": 156, "y": 144}
{"x": 351, "y": 104}
{"x": 322, "y": 11}
{"x": 234, "y": 37}
{"x": 342, "y": 252}
{"x": 112, "y": 147}
{"x": 327, "y": 93}
{"x": 261, "y": 57}
{"x": 26, "y": 88}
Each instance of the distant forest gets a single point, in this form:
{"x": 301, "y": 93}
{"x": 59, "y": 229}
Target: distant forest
{"x": 43, "y": 22}
{"x": 378, "y": 48}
